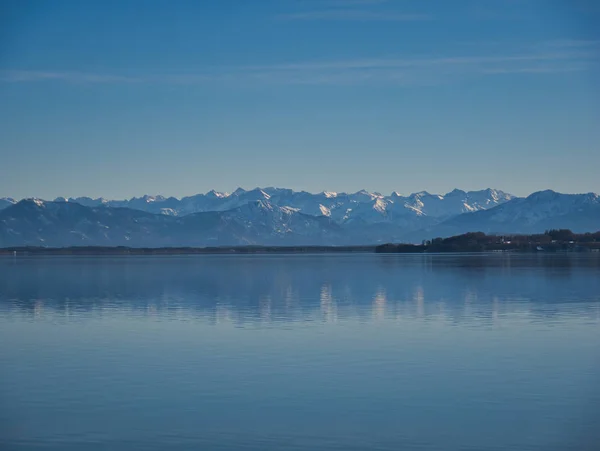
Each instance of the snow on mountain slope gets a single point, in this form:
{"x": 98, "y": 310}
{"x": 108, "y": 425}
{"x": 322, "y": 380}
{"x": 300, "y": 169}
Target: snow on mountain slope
{"x": 214, "y": 201}
{"x": 369, "y": 212}
{"x": 216, "y": 194}
{"x": 267, "y": 222}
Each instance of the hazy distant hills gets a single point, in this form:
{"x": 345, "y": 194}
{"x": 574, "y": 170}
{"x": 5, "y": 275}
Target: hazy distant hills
{"x": 278, "y": 216}
{"x": 56, "y": 224}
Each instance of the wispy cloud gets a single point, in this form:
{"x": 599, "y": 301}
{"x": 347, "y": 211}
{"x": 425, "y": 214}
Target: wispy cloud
{"x": 392, "y": 63}
{"x": 353, "y": 14}
{"x": 350, "y": 10}
{"x": 73, "y": 77}
{"x": 570, "y": 44}
{"x": 414, "y": 72}
{"x": 545, "y": 58}
{"x": 548, "y": 69}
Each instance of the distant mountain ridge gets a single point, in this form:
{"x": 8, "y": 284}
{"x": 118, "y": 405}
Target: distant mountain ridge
{"x": 279, "y": 216}
{"x": 539, "y": 211}
{"x": 339, "y": 206}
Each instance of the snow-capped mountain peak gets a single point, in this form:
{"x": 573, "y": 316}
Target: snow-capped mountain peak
{"x": 147, "y": 198}
{"x": 371, "y": 207}
{"x": 216, "y": 194}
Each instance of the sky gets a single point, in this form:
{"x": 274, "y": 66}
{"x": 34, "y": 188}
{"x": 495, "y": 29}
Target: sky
{"x": 120, "y": 98}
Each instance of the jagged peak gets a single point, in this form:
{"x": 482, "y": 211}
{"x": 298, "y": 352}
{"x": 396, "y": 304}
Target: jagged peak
{"x": 329, "y": 194}
{"x": 145, "y": 198}
{"x": 420, "y": 194}
{"x": 456, "y": 192}
{"x": 30, "y": 201}
{"x": 216, "y": 194}
{"x": 259, "y": 192}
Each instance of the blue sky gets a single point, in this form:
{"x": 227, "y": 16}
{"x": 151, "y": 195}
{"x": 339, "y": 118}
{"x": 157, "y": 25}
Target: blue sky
{"x": 124, "y": 98}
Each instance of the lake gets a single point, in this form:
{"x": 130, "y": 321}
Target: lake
{"x": 300, "y": 352}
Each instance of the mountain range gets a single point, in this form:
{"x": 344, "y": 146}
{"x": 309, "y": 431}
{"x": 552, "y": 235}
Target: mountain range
{"x": 279, "y": 216}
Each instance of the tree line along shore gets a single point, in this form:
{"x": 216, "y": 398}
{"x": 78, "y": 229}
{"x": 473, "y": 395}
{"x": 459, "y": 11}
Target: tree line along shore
{"x": 562, "y": 240}
{"x": 550, "y": 241}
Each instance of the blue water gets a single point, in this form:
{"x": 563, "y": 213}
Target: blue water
{"x": 300, "y": 352}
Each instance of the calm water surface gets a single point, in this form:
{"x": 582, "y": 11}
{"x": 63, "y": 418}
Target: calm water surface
{"x": 300, "y": 352}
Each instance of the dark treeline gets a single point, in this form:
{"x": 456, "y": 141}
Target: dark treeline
{"x": 551, "y": 241}
{"x": 562, "y": 240}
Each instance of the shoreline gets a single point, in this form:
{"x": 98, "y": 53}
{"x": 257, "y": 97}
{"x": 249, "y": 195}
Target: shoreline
{"x": 124, "y": 252}
{"x": 552, "y": 241}
{"x": 229, "y": 250}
